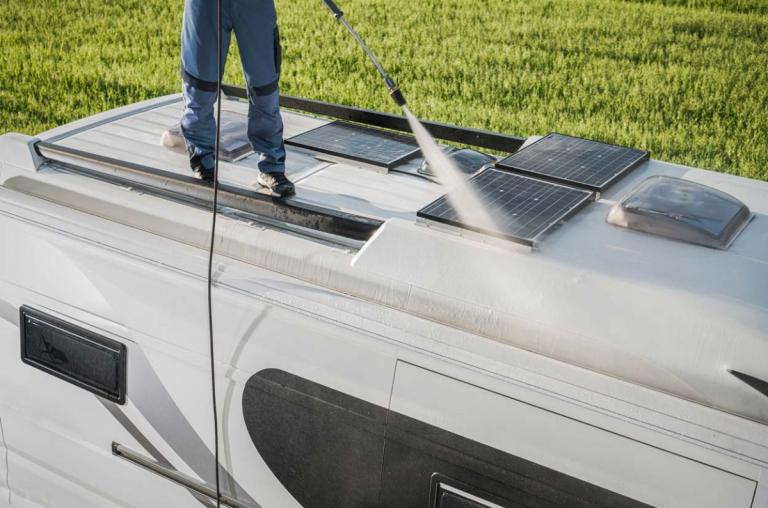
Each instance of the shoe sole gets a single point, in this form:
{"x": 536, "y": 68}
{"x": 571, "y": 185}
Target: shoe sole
{"x": 275, "y": 193}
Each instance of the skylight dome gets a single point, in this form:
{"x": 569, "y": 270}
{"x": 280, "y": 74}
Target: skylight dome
{"x": 682, "y": 210}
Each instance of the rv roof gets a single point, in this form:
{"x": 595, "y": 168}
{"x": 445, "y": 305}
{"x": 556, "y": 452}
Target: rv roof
{"x": 322, "y": 179}
{"x": 650, "y": 310}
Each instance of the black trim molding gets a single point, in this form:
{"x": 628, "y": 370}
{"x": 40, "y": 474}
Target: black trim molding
{"x": 71, "y": 353}
{"x": 444, "y": 131}
{"x": 756, "y": 383}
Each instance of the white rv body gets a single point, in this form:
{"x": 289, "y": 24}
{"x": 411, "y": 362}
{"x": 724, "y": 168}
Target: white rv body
{"x": 600, "y": 360}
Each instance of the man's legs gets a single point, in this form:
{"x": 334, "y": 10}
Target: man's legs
{"x": 199, "y": 79}
{"x": 255, "y": 24}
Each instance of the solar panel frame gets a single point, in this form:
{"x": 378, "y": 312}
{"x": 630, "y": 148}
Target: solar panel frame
{"x": 437, "y": 210}
{"x": 305, "y": 140}
{"x": 633, "y": 158}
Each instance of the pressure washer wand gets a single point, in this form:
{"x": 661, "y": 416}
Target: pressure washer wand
{"x": 394, "y": 91}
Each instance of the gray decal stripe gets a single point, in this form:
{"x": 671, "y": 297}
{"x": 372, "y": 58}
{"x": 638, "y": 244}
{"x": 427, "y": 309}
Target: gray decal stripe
{"x": 147, "y": 392}
{"x": 9, "y": 313}
{"x": 229, "y": 483}
{"x": 5, "y": 458}
{"x": 134, "y": 431}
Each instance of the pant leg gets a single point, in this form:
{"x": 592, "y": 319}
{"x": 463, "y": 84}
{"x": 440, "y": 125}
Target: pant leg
{"x": 199, "y": 74}
{"x": 255, "y": 25}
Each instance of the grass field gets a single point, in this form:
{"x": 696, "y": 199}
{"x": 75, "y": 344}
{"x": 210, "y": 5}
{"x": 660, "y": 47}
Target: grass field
{"x": 684, "y": 79}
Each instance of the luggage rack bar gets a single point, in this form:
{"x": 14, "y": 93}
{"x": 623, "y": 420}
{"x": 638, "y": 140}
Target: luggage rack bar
{"x": 444, "y": 131}
{"x": 290, "y": 211}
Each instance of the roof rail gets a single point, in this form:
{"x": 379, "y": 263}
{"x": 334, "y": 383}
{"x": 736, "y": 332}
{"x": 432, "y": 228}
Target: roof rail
{"x": 444, "y": 131}
{"x": 191, "y": 190}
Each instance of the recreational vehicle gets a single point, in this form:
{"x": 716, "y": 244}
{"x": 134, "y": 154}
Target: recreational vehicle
{"x": 603, "y": 341}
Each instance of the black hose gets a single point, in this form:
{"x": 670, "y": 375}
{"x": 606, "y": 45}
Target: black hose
{"x": 211, "y": 249}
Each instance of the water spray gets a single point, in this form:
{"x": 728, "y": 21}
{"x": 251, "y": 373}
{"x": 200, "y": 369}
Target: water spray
{"x": 394, "y": 91}
{"x": 464, "y": 198}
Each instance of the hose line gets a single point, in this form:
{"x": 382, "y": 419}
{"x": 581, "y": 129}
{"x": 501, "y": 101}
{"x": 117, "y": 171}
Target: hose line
{"x": 211, "y": 249}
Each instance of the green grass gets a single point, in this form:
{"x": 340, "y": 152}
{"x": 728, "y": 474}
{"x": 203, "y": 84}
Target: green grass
{"x": 684, "y": 79}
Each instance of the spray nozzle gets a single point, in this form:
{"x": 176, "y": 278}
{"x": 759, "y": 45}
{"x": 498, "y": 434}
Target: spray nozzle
{"x": 397, "y": 96}
{"x": 394, "y": 91}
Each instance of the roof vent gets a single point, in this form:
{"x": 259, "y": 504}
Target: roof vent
{"x": 682, "y": 210}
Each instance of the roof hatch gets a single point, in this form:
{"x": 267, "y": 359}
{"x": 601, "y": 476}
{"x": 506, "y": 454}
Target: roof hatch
{"x": 682, "y": 210}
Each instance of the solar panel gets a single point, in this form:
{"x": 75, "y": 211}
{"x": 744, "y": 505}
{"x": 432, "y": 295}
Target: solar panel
{"x": 357, "y": 142}
{"x": 520, "y": 208}
{"x": 567, "y": 159}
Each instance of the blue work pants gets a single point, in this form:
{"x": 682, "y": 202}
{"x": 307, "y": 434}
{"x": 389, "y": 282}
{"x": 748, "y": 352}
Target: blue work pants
{"x": 254, "y": 23}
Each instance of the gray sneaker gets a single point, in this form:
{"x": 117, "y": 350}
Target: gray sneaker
{"x": 278, "y": 183}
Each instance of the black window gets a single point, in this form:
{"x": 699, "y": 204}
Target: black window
{"x": 448, "y": 498}
{"x": 332, "y": 450}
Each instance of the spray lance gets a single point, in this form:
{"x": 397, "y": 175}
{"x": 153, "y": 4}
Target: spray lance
{"x": 394, "y": 91}
{"x": 437, "y": 163}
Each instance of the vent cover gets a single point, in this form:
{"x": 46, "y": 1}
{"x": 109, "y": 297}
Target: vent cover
{"x": 71, "y": 353}
{"x": 682, "y": 210}
{"x": 233, "y": 143}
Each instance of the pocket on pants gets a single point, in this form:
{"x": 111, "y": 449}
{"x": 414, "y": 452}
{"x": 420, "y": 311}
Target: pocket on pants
{"x": 278, "y": 51}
